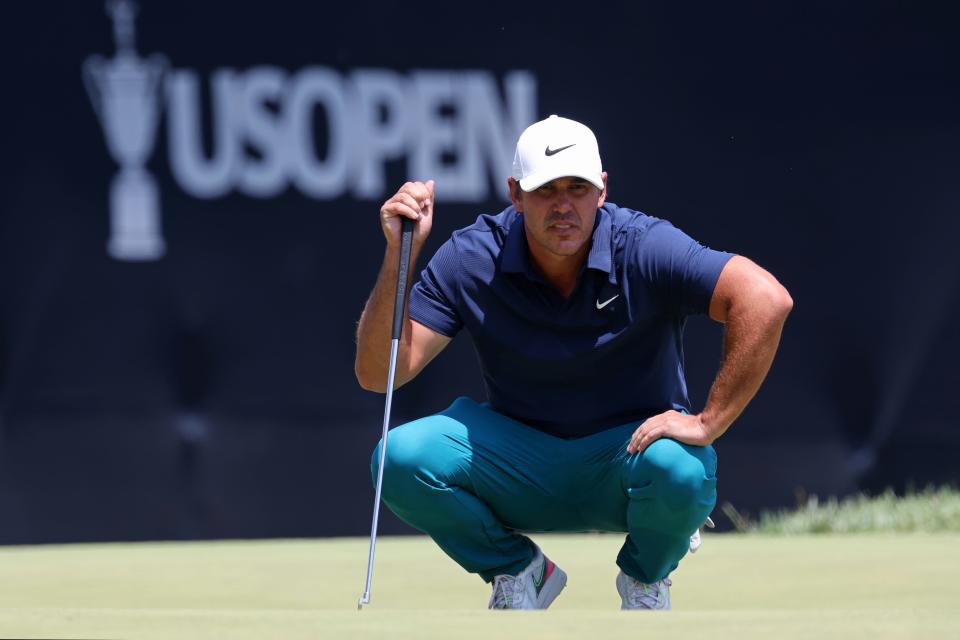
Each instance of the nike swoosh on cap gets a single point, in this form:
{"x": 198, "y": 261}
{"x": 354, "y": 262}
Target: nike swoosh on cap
{"x": 548, "y": 151}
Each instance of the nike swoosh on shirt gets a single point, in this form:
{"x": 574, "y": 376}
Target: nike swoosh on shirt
{"x": 601, "y": 305}
{"x": 548, "y": 151}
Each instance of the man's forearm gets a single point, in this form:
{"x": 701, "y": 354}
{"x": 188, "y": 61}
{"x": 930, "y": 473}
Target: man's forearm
{"x": 376, "y": 321}
{"x": 751, "y": 338}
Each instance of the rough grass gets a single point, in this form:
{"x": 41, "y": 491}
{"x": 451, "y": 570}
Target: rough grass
{"x": 931, "y": 510}
{"x": 756, "y": 586}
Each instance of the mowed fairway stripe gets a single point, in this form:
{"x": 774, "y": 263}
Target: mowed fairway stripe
{"x": 876, "y": 586}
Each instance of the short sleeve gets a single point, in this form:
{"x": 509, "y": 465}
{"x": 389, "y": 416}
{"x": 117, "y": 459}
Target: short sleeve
{"x": 433, "y": 297}
{"x": 679, "y": 267}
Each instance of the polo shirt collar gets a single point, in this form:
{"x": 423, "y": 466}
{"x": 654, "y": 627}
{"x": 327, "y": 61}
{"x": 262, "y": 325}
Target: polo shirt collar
{"x": 515, "y": 247}
{"x": 515, "y": 252}
{"x": 601, "y": 256}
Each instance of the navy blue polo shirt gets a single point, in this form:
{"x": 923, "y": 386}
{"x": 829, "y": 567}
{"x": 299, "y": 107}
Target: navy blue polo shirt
{"x": 611, "y": 353}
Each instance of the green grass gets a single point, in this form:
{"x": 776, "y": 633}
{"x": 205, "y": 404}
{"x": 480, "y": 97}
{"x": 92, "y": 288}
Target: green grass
{"x": 854, "y": 586}
{"x": 931, "y": 510}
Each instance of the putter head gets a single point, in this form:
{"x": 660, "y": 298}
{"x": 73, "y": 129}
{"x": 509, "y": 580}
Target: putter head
{"x": 364, "y": 599}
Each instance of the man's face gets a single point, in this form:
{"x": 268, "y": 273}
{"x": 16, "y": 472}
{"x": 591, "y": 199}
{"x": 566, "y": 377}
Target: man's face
{"x": 559, "y": 216}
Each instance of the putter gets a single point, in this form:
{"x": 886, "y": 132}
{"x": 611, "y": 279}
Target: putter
{"x": 405, "y": 245}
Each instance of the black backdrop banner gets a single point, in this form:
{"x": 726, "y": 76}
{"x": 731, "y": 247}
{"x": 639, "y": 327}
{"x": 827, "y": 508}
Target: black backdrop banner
{"x": 189, "y": 232}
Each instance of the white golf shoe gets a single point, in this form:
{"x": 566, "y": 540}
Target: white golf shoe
{"x": 533, "y": 588}
{"x": 639, "y": 595}
{"x": 696, "y": 539}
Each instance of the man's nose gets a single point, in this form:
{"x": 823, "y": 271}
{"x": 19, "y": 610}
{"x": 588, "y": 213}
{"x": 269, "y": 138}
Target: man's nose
{"x": 562, "y": 202}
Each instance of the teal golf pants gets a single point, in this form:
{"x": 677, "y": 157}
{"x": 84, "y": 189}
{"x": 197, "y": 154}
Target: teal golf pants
{"x": 473, "y": 479}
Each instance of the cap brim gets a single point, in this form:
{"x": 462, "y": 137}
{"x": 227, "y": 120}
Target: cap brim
{"x": 537, "y": 180}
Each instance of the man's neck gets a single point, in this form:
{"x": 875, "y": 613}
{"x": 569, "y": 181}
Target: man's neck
{"x": 560, "y": 271}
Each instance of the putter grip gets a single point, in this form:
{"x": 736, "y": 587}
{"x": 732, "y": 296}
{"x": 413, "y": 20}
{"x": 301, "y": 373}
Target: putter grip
{"x": 406, "y": 243}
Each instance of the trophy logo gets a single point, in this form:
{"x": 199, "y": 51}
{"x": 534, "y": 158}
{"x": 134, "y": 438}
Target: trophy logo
{"x": 124, "y": 91}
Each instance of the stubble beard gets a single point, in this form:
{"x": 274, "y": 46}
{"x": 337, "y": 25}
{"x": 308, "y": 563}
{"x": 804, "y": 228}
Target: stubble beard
{"x": 557, "y": 247}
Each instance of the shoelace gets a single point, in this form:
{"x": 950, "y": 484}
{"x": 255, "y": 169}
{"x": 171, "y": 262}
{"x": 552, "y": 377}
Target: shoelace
{"x": 507, "y": 593}
{"x": 648, "y": 596}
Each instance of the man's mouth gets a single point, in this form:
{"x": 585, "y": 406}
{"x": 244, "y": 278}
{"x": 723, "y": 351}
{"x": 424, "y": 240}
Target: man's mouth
{"x": 563, "y": 225}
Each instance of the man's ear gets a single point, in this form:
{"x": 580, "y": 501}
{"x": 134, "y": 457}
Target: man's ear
{"x": 603, "y": 194}
{"x": 515, "y": 194}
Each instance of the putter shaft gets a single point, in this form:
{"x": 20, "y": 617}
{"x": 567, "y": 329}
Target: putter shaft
{"x": 394, "y": 345}
{"x": 406, "y": 244}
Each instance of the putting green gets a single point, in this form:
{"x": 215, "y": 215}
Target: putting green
{"x": 869, "y": 586}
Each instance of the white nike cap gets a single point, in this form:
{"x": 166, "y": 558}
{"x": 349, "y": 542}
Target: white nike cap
{"x": 555, "y": 148}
